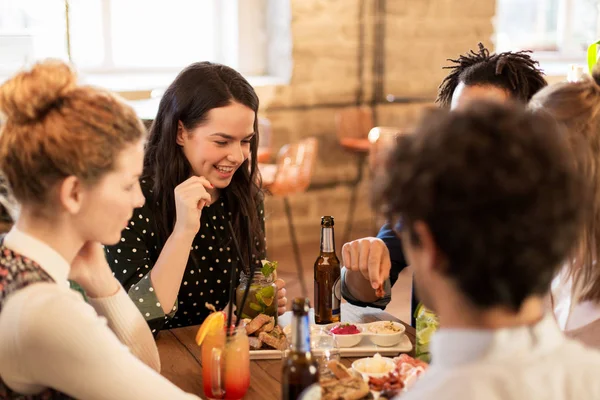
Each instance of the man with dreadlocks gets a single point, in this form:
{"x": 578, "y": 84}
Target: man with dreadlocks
{"x": 374, "y": 263}
{"x": 496, "y": 76}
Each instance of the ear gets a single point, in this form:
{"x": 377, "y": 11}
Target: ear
{"x": 181, "y": 131}
{"x": 71, "y": 194}
{"x": 432, "y": 257}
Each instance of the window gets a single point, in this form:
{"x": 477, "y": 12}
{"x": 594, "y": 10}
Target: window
{"x": 554, "y": 29}
{"x": 134, "y": 36}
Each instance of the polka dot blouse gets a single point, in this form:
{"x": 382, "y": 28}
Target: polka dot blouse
{"x": 206, "y": 277}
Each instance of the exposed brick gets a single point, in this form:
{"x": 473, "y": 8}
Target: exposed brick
{"x": 420, "y": 36}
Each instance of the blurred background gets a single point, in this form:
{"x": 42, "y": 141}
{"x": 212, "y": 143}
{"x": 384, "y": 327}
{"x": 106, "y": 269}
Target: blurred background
{"x": 325, "y": 69}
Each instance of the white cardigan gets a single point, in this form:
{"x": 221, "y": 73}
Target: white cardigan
{"x": 50, "y": 337}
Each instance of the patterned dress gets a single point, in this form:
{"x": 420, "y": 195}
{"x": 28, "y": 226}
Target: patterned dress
{"x": 206, "y": 276}
{"x": 18, "y": 272}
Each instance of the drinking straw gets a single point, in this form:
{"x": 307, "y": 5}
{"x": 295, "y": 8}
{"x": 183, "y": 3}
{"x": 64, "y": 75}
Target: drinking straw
{"x": 251, "y": 272}
{"x": 231, "y": 296}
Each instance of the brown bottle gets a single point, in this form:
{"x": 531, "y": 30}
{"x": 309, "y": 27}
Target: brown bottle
{"x": 300, "y": 369}
{"x": 328, "y": 293}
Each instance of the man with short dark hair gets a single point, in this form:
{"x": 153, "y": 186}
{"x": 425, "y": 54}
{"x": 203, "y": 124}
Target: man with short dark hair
{"x": 489, "y": 205}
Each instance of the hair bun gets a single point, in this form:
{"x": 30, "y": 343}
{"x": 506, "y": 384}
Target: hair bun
{"x": 30, "y": 94}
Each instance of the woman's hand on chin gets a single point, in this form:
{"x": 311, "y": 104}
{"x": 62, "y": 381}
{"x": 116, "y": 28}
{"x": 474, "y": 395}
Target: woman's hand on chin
{"x": 91, "y": 271}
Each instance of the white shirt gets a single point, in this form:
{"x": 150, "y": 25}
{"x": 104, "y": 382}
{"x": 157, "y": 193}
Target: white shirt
{"x": 528, "y": 362}
{"x": 570, "y": 314}
{"x": 50, "y": 337}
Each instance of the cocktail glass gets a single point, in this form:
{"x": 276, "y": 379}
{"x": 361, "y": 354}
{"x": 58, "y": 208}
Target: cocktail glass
{"x": 226, "y": 364}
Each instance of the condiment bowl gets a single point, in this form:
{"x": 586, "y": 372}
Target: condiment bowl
{"x": 349, "y": 340}
{"x": 375, "y": 366}
{"x": 384, "y": 333}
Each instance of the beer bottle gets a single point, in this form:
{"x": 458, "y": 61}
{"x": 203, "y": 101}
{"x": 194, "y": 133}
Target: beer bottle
{"x": 300, "y": 369}
{"x": 328, "y": 294}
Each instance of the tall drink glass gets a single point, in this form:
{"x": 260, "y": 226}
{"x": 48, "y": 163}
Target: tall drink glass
{"x": 226, "y": 365}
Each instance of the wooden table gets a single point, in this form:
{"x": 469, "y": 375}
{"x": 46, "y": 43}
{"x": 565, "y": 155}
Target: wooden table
{"x": 180, "y": 356}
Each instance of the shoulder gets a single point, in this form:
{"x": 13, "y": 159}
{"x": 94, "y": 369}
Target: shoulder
{"x": 39, "y": 309}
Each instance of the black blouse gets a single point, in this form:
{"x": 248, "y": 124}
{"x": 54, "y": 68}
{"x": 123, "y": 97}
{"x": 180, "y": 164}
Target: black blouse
{"x": 206, "y": 276}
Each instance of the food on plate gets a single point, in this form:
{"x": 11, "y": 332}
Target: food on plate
{"x": 255, "y": 343}
{"x": 354, "y": 388}
{"x": 374, "y": 365}
{"x": 338, "y": 369}
{"x": 344, "y": 329}
{"x": 343, "y": 385}
{"x": 264, "y": 334}
{"x": 268, "y": 327}
{"x": 401, "y": 378}
{"x": 275, "y": 339}
{"x": 255, "y": 324}
{"x": 388, "y": 386}
{"x": 385, "y": 328}
{"x": 380, "y": 291}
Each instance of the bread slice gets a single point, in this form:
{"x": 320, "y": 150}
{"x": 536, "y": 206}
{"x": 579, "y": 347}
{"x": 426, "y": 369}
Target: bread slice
{"x": 338, "y": 369}
{"x": 353, "y": 388}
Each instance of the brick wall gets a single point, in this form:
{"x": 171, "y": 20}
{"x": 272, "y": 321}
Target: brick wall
{"x": 419, "y": 36}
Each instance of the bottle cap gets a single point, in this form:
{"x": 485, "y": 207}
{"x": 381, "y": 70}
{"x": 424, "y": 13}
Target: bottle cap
{"x": 327, "y": 221}
{"x": 301, "y": 305}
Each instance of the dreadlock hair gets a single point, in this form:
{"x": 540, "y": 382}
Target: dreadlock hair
{"x": 515, "y": 72}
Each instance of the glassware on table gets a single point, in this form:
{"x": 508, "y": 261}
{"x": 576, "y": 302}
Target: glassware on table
{"x": 426, "y": 325}
{"x": 299, "y": 368}
{"x": 226, "y": 364}
{"x": 261, "y": 295}
{"x": 325, "y": 348}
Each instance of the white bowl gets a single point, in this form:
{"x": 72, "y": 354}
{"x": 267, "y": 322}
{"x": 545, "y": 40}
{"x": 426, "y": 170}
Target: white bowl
{"x": 346, "y": 340}
{"x": 384, "y": 339}
{"x": 375, "y": 366}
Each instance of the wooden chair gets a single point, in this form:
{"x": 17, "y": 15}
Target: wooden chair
{"x": 265, "y": 150}
{"x": 352, "y": 128}
{"x": 291, "y": 174}
{"x": 381, "y": 140}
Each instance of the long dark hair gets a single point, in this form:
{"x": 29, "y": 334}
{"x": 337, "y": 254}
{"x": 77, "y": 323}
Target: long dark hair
{"x": 198, "y": 89}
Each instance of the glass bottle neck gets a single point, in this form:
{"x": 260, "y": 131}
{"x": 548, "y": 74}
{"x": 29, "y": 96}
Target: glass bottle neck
{"x": 301, "y": 334}
{"x": 327, "y": 241}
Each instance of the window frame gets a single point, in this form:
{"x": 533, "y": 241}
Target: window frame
{"x": 566, "y": 52}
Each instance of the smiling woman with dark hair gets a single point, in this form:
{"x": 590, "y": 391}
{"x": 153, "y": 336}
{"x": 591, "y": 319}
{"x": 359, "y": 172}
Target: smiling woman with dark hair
{"x": 200, "y": 172}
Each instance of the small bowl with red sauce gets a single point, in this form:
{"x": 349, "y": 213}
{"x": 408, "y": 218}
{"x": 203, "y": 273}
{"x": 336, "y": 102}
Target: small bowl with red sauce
{"x": 347, "y": 335}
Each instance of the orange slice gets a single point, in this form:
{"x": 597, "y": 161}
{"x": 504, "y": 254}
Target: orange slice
{"x": 213, "y": 323}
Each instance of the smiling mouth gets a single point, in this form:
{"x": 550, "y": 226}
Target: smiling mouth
{"x": 224, "y": 170}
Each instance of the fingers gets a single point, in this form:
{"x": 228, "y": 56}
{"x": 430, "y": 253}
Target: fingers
{"x": 370, "y": 257}
{"x": 364, "y": 248}
{"x": 374, "y": 273}
{"x": 280, "y": 283}
{"x": 193, "y": 191}
{"x": 194, "y": 180}
{"x": 281, "y": 305}
{"x": 281, "y": 293}
{"x": 281, "y": 299}
{"x": 354, "y": 250}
